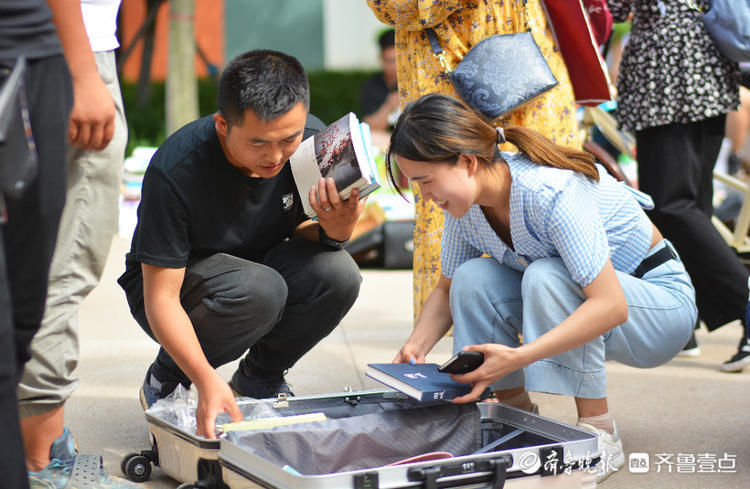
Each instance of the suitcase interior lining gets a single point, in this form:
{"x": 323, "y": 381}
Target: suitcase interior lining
{"x": 384, "y": 434}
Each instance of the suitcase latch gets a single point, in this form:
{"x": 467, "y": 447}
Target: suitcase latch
{"x": 552, "y": 460}
{"x": 368, "y": 480}
{"x": 281, "y": 401}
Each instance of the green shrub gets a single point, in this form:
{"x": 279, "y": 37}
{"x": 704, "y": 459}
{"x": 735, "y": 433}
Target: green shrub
{"x": 332, "y": 94}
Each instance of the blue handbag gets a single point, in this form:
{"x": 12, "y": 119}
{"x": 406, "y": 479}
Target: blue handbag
{"x": 728, "y": 24}
{"x": 500, "y": 73}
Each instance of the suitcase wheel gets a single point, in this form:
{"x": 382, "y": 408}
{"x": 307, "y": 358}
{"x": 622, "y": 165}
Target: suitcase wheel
{"x": 137, "y": 467}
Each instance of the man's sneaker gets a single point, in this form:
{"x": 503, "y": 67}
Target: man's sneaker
{"x": 691, "y": 348}
{"x": 610, "y": 451}
{"x": 69, "y": 469}
{"x": 245, "y": 386}
{"x": 152, "y": 389}
{"x": 739, "y": 361}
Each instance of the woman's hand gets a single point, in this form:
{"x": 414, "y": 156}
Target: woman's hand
{"x": 499, "y": 361}
{"x": 409, "y": 353}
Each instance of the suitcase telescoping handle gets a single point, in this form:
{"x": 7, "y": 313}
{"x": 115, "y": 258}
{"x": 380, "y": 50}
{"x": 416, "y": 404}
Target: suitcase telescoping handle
{"x": 429, "y": 476}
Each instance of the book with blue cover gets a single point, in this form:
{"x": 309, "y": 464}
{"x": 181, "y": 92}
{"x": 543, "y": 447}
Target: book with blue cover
{"x": 421, "y": 381}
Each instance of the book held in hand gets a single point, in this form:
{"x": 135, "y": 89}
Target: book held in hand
{"x": 422, "y": 381}
{"x": 342, "y": 151}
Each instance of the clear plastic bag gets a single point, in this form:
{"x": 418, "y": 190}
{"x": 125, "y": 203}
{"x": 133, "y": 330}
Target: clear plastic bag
{"x": 178, "y": 409}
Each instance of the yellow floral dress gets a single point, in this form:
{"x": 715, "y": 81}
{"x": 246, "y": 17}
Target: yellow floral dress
{"x": 459, "y": 25}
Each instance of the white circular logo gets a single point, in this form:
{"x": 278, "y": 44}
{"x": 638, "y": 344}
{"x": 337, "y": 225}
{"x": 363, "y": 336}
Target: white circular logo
{"x": 529, "y": 462}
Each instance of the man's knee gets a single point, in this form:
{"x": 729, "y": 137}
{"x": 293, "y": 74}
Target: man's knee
{"x": 339, "y": 275}
{"x": 259, "y": 295}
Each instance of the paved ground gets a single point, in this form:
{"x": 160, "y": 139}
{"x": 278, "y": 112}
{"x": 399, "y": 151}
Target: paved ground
{"x": 686, "y": 414}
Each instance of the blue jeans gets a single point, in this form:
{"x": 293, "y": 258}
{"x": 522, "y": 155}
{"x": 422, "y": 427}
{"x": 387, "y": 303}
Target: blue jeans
{"x": 492, "y": 303}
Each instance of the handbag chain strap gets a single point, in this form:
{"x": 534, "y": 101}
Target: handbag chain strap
{"x": 438, "y": 50}
{"x": 693, "y": 6}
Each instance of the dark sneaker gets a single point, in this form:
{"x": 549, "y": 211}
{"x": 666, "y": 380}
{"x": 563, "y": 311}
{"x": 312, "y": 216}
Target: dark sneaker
{"x": 68, "y": 468}
{"x": 244, "y": 386}
{"x": 739, "y": 361}
{"x": 152, "y": 389}
{"x": 691, "y": 348}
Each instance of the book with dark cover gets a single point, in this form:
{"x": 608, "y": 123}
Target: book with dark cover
{"x": 342, "y": 151}
{"x": 421, "y": 381}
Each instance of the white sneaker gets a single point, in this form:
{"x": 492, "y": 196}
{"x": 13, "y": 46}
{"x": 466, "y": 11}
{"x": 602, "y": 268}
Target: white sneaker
{"x": 610, "y": 451}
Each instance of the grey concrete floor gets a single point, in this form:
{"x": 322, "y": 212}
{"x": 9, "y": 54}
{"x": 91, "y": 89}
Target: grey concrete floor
{"x": 686, "y": 412}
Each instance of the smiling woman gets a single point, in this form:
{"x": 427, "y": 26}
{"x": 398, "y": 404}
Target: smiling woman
{"x": 545, "y": 245}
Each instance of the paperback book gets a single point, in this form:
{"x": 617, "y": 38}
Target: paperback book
{"x": 342, "y": 151}
{"x": 422, "y": 381}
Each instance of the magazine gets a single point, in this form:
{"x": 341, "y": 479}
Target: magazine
{"x": 342, "y": 151}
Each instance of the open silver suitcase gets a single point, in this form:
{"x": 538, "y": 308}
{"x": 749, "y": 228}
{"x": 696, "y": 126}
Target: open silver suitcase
{"x": 367, "y": 441}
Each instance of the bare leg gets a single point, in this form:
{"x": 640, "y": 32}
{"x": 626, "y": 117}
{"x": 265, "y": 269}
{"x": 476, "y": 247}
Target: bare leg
{"x": 39, "y": 432}
{"x": 591, "y": 407}
{"x": 516, "y": 397}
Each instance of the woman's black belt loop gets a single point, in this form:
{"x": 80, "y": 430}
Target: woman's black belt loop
{"x": 650, "y": 262}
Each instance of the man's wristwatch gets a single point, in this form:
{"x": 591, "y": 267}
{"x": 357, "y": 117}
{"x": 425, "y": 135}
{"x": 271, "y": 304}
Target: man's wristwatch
{"x": 324, "y": 239}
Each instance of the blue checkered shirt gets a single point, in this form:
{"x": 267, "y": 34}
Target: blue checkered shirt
{"x": 556, "y": 213}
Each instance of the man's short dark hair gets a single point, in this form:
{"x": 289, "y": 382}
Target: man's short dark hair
{"x": 387, "y": 39}
{"x": 269, "y": 83}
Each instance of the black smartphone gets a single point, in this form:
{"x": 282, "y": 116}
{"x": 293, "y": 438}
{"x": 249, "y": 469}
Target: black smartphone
{"x": 462, "y": 362}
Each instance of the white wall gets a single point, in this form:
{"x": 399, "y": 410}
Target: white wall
{"x": 350, "y": 35}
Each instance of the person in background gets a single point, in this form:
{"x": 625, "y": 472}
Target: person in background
{"x": 738, "y": 127}
{"x": 379, "y": 94}
{"x": 674, "y": 92}
{"x": 97, "y": 134}
{"x": 224, "y": 262}
{"x": 545, "y": 245}
{"x": 460, "y": 25}
{"x": 30, "y": 222}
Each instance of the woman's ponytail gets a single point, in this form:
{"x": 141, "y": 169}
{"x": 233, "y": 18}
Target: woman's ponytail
{"x": 543, "y": 151}
{"x": 438, "y": 128}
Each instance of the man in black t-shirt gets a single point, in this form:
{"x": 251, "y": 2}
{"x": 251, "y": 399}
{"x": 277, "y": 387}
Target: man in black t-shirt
{"x": 223, "y": 258}
{"x": 379, "y": 94}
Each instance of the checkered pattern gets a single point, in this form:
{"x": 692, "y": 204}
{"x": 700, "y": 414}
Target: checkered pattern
{"x": 557, "y": 213}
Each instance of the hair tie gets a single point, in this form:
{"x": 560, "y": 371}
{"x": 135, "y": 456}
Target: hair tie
{"x": 500, "y": 135}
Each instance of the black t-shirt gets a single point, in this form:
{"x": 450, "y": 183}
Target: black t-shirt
{"x": 26, "y": 28}
{"x": 373, "y": 93}
{"x": 195, "y": 203}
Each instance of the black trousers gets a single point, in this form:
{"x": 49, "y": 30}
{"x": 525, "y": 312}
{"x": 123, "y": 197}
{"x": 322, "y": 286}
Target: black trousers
{"x": 675, "y": 166}
{"x": 276, "y": 311}
{"x": 28, "y": 240}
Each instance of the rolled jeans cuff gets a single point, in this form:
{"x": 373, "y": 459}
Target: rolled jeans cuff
{"x": 553, "y": 378}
